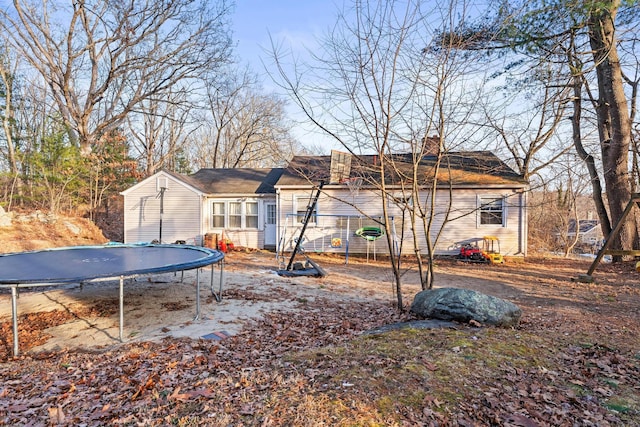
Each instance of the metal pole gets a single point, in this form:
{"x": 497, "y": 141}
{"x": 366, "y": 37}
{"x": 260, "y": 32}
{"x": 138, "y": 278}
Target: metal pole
{"x": 346, "y": 256}
{"x": 14, "y": 311}
{"x": 162, "y": 190}
{"x": 121, "y": 294}
{"x": 198, "y": 294}
{"x": 217, "y": 295}
{"x": 221, "y": 278}
{"x": 310, "y": 209}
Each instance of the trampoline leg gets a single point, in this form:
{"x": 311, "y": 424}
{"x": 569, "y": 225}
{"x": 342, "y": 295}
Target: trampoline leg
{"x": 121, "y": 307}
{"x": 221, "y": 277}
{"x": 217, "y": 295}
{"x": 14, "y": 311}
{"x": 197, "y": 294}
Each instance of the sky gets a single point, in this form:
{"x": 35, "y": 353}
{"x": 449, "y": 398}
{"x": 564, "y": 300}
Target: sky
{"x": 293, "y": 24}
{"x": 296, "y": 23}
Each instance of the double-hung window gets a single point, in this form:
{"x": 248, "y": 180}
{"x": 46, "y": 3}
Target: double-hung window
{"x": 234, "y": 214}
{"x": 492, "y": 211}
{"x": 217, "y": 214}
{"x": 302, "y": 206}
{"x": 251, "y": 215}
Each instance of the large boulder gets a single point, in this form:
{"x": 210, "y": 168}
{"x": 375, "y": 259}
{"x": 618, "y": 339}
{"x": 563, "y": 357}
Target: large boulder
{"x": 464, "y": 305}
{"x": 5, "y": 218}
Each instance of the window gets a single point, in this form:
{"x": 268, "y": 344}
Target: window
{"x": 302, "y": 204}
{"x": 301, "y": 213}
{"x": 217, "y": 215}
{"x": 491, "y": 211}
{"x": 251, "y": 215}
{"x": 235, "y": 215}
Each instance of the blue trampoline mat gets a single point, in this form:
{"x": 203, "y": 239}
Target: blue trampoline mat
{"x": 80, "y": 263}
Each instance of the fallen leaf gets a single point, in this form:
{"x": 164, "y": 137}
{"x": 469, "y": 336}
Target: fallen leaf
{"x": 56, "y": 416}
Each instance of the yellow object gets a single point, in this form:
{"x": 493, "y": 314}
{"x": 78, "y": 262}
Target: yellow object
{"x": 491, "y": 250}
{"x": 638, "y": 266}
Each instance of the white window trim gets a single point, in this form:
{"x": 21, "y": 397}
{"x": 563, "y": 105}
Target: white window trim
{"x": 245, "y": 215}
{"x": 212, "y": 215}
{"x": 227, "y": 213}
{"x": 502, "y": 199}
{"x": 228, "y": 219}
{"x": 301, "y": 202}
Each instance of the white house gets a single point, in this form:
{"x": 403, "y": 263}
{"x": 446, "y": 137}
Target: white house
{"x": 235, "y": 204}
{"x": 590, "y": 237}
{"x": 477, "y": 195}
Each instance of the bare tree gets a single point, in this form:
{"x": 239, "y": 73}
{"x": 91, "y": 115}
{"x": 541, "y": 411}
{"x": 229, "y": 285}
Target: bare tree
{"x": 384, "y": 89}
{"x": 102, "y": 59}
{"x": 8, "y": 71}
{"x": 161, "y": 129}
{"x": 242, "y": 127}
{"x": 530, "y": 135}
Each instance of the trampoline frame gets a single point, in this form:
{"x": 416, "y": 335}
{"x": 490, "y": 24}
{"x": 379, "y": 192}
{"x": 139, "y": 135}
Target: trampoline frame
{"x": 213, "y": 257}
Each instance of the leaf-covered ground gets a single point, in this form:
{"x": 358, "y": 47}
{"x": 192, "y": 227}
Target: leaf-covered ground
{"x": 573, "y": 361}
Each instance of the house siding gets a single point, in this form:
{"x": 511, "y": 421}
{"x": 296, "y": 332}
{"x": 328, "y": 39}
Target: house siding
{"x": 463, "y": 221}
{"x": 318, "y": 235}
{"x": 182, "y": 212}
{"x": 247, "y": 237}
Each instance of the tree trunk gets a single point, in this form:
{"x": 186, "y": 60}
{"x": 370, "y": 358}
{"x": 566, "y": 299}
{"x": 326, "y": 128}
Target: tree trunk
{"x": 596, "y": 186}
{"x": 614, "y": 125}
{"x": 388, "y": 234}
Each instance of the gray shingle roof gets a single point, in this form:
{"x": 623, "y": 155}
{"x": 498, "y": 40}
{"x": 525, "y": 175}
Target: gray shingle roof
{"x": 234, "y": 180}
{"x": 586, "y": 225}
{"x": 459, "y": 168}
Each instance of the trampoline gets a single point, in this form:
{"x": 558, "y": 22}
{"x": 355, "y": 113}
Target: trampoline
{"x": 101, "y": 263}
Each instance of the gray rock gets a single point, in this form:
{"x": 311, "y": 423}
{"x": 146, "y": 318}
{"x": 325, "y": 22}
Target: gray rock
{"x": 464, "y": 305}
{"x": 5, "y": 218}
{"x": 72, "y": 227}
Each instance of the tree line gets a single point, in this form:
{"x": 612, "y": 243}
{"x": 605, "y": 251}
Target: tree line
{"x": 95, "y": 95}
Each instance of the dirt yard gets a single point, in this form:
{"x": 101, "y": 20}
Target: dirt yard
{"x": 574, "y": 360}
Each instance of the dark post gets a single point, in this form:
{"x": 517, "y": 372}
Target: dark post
{"x": 162, "y": 190}
{"x": 307, "y": 218}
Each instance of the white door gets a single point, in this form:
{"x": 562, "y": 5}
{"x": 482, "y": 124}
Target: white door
{"x": 270, "y": 225}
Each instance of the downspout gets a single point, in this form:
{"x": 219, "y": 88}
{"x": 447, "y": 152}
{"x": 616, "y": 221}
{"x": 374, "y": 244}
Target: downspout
{"x": 204, "y": 205}
{"x": 523, "y": 233}
{"x": 278, "y": 231}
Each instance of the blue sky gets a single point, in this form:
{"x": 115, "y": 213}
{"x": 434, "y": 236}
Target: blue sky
{"x": 295, "y": 26}
{"x": 294, "y": 23}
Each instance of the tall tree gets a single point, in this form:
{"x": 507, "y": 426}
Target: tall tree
{"x": 549, "y": 31}
{"x": 385, "y": 89}
{"x": 8, "y": 70}
{"x": 242, "y": 126}
{"x": 102, "y": 59}
{"x": 614, "y": 122}
{"x": 160, "y": 130}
